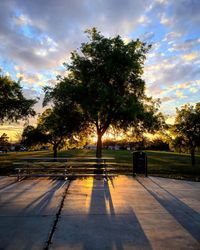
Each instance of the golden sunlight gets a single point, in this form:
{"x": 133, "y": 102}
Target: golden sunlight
{"x": 13, "y": 132}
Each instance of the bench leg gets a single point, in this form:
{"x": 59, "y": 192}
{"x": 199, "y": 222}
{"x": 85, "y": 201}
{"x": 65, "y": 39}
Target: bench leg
{"x": 19, "y": 175}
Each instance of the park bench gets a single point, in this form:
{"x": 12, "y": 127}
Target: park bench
{"x": 38, "y": 169}
{"x": 63, "y": 167}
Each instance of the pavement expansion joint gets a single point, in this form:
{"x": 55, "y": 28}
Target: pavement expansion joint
{"x": 54, "y": 226}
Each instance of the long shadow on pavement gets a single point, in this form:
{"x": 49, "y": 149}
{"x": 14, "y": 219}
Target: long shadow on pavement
{"x": 111, "y": 230}
{"x": 23, "y": 224}
{"x": 185, "y": 215}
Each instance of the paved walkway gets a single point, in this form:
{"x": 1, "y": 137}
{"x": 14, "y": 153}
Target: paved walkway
{"x": 123, "y": 213}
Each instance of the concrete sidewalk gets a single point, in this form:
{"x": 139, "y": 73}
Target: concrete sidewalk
{"x": 123, "y": 213}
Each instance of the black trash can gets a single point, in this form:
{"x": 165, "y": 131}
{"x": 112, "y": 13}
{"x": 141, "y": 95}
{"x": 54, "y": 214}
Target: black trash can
{"x": 139, "y": 163}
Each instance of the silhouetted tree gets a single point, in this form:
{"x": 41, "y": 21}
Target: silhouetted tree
{"x": 187, "y": 129}
{"x": 104, "y": 81}
{"x": 58, "y": 127}
{"x": 32, "y": 136}
{"x": 53, "y": 128}
{"x": 4, "y": 142}
{"x": 13, "y": 105}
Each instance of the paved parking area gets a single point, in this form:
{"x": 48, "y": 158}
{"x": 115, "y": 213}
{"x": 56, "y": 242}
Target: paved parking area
{"x": 123, "y": 213}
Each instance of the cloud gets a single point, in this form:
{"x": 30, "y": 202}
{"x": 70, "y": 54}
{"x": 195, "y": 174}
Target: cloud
{"x": 194, "y": 90}
{"x": 36, "y": 37}
{"x": 185, "y": 14}
{"x": 29, "y": 78}
{"x": 171, "y": 71}
{"x": 22, "y": 20}
{"x": 190, "y": 56}
{"x": 180, "y": 16}
{"x": 180, "y": 94}
{"x": 186, "y": 45}
{"x": 42, "y": 34}
{"x": 171, "y": 36}
{"x": 20, "y": 75}
{"x": 165, "y": 21}
{"x": 192, "y": 86}
{"x": 144, "y": 20}
{"x": 164, "y": 2}
{"x": 8, "y": 127}
{"x": 146, "y": 36}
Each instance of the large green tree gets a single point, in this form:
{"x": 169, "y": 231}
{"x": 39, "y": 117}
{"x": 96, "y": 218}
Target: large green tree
{"x": 105, "y": 81}
{"x": 187, "y": 129}
{"x": 13, "y": 104}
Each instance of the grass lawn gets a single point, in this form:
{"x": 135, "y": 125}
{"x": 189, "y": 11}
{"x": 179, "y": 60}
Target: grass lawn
{"x": 166, "y": 164}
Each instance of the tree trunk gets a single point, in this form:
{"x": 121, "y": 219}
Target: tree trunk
{"x": 193, "y": 157}
{"x": 55, "y": 150}
{"x": 99, "y": 146}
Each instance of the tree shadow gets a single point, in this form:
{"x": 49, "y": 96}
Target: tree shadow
{"x": 111, "y": 230}
{"x": 28, "y": 219}
{"x": 6, "y": 184}
{"x": 92, "y": 220}
{"x": 186, "y": 216}
{"x": 41, "y": 203}
{"x": 14, "y": 195}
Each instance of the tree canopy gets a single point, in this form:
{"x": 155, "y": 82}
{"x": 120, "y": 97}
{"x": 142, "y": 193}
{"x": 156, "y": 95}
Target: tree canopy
{"x": 187, "y": 129}
{"x": 53, "y": 127}
{"x": 32, "y": 136}
{"x": 105, "y": 81}
{"x": 13, "y": 104}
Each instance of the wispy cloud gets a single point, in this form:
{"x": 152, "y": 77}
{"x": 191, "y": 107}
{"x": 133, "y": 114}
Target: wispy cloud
{"x": 186, "y": 45}
{"x": 180, "y": 94}
{"x": 190, "y": 56}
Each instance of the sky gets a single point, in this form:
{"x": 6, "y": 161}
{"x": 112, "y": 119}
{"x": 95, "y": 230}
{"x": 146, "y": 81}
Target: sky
{"x": 37, "y": 37}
